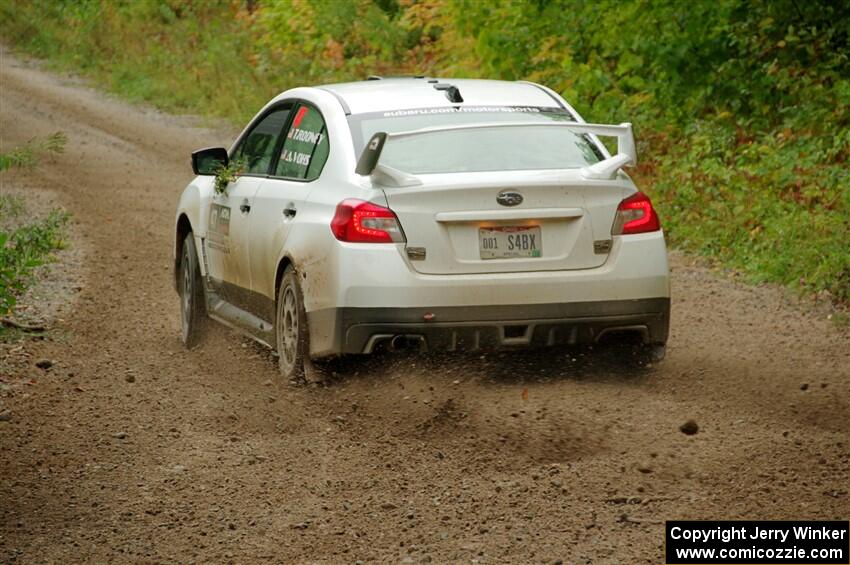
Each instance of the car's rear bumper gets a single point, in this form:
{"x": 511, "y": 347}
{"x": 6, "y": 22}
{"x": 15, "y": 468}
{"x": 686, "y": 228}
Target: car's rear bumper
{"x": 373, "y": 291}
{"x": 450, "y": 328}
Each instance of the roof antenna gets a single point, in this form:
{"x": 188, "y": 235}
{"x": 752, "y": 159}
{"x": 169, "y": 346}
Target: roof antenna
{"x": 452, "y": 92}
{"x": 374, "y": 77}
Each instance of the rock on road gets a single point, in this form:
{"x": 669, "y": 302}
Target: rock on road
{"x": 206, "y": 456}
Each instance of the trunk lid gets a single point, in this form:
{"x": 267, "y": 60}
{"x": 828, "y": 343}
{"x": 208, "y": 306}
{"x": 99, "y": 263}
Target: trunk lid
{"x": 561, "y": 223}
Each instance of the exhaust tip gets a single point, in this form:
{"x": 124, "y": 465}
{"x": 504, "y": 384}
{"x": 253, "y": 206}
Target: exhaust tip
{"x": 405, "y": 342}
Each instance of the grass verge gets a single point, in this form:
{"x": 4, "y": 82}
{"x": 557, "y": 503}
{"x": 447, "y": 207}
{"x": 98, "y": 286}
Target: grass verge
{"x": 25, "y": 243}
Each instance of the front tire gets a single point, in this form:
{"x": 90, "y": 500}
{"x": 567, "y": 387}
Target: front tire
{"x": 291, "y": 327}
{"x": 193, "y": 314}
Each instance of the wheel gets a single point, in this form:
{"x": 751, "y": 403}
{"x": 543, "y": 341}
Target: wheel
{"x": 193, "y": 314}
{"x": 291, "y": 327}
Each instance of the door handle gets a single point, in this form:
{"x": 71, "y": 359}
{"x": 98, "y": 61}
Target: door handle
{"x": 290, "y": 210}
{"x": 245, "y": 207}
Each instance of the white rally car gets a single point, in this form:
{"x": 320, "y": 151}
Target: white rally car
{"x": 440, "y": 214}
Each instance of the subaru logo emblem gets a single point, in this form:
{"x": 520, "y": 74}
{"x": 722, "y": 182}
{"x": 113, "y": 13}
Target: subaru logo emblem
{"x": 509, "y": 198}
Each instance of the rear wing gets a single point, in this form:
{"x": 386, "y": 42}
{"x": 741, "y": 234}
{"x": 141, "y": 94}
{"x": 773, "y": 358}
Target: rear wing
{"x": 606, "y": 169}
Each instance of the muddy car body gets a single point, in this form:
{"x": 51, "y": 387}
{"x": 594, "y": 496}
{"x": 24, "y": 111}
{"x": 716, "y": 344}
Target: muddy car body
{"x": 447, "y": 214}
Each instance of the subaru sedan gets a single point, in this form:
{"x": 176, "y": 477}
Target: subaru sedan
{"x": 435, "y": 214}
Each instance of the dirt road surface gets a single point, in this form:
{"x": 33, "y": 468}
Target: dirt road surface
{"x": 208, "y": 457}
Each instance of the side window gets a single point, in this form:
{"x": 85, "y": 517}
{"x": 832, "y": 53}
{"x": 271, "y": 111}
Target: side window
{"x": 257, "y": 149}
{"x": 305, "y": 148}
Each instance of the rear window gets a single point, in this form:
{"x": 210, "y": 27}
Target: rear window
{"x": 528, "y": 147}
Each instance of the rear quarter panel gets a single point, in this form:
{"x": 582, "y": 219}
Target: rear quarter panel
{"x": 310, "y": 246}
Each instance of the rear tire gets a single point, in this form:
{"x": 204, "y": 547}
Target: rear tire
{"x": 193, "y": 308}
{"x": 291, "y": 327}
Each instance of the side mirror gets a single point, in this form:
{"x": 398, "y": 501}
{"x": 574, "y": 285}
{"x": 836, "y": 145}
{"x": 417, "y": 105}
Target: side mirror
{"x": 208, "y": 161}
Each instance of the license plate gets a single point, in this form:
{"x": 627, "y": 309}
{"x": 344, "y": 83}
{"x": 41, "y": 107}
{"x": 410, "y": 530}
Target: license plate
{"x": 509, "y": 242}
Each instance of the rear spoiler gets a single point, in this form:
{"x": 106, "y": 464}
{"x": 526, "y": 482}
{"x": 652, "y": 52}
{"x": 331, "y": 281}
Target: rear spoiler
{"x": 603, "y": 170}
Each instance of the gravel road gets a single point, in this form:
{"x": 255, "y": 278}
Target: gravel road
{"x": 130, "y": 449}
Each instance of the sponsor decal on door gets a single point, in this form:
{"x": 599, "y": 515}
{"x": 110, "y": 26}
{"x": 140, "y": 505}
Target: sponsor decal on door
{"x": 219, "y": 231}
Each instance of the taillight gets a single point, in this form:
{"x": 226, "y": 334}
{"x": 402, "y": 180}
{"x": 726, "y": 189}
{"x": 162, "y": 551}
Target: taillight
{"x": 358, "y": 221}
{"x": 635, "y": 214}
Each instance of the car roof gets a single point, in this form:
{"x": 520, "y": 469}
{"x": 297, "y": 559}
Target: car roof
{"x": 388, "y": 94}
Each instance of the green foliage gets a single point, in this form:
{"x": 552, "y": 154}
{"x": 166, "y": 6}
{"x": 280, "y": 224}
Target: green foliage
{"x": 22, "y": 251}
{"x": 180, "y": 55}
{"x": 225, "y": 175}
{"x": 335, "y": 40}
{"x": 26, "y": 247}
{"x": 11, "y": 206}
{"x": 27, "y": 155}
{"x": 741, "y": 107}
